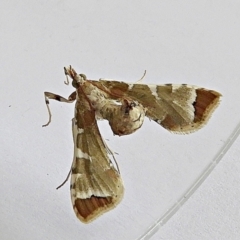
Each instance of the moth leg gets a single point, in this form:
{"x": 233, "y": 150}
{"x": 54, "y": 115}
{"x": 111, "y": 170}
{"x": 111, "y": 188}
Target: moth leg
{"x": 65, "y": 179}
{"x": 109, "y": 151}
{"x": 59, "y": 98}
{"x": 144, "y": 74}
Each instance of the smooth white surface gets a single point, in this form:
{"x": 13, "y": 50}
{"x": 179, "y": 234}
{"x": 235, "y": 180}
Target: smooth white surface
{"x": 213, "y": 211}
{"x": 194, "y": 42}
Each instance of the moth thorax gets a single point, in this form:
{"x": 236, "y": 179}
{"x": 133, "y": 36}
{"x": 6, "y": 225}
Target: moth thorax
{"x": 125, "y": 118}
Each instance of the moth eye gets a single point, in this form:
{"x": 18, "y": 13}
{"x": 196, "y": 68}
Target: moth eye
{"x": 74, "y": 84}
{"x": 127, "y": 109}
{"x": 129, "y": 106}
{"x": 83, "y": 76}
{"x": 133, "y": 104}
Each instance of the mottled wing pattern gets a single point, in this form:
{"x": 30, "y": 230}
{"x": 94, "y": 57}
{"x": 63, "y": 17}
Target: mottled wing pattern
{"x": 96, "y": 186}
{"x": 178, "y": 108}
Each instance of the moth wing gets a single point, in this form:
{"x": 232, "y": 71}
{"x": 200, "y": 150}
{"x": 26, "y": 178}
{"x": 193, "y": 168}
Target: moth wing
{"x": 96, "y": 186}
{"x": 178, "y": 108}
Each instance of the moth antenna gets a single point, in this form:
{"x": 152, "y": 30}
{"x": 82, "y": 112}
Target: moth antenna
{"x": 144, "y": 74}
{"x": 65, "y": 179}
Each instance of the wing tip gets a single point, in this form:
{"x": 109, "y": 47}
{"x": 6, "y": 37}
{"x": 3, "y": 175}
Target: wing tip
{"x": 206, "y": 102}
{"x": 89, "y": 209}
{"x": 204, "y": 105}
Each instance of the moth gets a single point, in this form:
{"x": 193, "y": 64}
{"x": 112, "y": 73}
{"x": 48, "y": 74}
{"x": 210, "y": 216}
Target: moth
{"x": 96, "y": 185}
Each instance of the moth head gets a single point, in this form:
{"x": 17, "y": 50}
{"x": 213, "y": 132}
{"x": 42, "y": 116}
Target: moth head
{"x": 76, "y": 81}
{"x": 126, "y": 118}
{"x": 76, "y": 78}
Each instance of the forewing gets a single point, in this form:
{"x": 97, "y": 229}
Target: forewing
{"x": 96, "y": 186}
{"x": 178, "y": 108}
